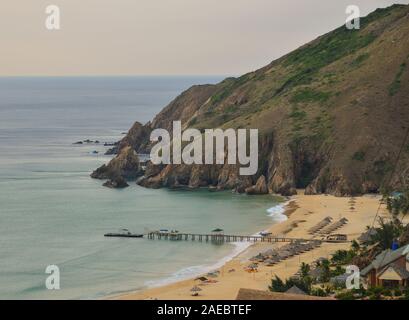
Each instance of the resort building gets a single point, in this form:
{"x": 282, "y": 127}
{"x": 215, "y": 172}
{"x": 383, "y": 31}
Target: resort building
{"x": 389, "y": 269}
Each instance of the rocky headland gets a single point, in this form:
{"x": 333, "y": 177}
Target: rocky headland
{"x": 331, "y": 115}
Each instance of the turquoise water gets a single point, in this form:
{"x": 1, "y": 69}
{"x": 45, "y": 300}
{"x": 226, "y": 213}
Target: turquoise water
{"x": 52, "y": 213}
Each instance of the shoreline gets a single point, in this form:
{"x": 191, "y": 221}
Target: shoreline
{"x": 302, "y": 212}
{"x": 238, "y": 249}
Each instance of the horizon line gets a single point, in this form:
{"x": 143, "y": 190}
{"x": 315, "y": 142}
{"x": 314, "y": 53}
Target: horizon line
{"x": 117, "y": 75}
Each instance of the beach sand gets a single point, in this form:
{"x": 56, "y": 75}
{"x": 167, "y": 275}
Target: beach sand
{"x": 303, "y": 212}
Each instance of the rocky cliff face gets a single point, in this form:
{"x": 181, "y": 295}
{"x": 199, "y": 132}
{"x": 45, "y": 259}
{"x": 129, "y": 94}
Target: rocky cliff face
{"x": 126, "y": 165}
{"x": 331, "y": 115}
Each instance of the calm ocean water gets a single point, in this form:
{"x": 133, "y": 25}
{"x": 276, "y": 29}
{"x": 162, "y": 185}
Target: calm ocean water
{"x": 51, "y": 212}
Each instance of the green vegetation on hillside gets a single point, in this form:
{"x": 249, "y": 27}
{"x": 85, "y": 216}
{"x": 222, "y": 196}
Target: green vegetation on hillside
{"x": 394, "y": 87}
{"x": 310, "y": 59}
{"x": 359, "y": 156}
{"x": 310, "y": 95}
{"x": 360, "y": 59}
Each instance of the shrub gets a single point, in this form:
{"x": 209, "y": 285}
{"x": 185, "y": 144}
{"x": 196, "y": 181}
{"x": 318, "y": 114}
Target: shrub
{"x": 297, "y": 114}
{"x": 278, "y": 285}
{"x": 319, "y": 292}
{"x": 395, "y": 86}
{"x": 359, "y": 156}
{"x": 387, "y": 293}
{"x": 310, "y": 95}
{"x": 345, "y": 295}
{"x": 406, "y": 294}
{"x": 361, "y": 58}
{"x": 375, "y": 293}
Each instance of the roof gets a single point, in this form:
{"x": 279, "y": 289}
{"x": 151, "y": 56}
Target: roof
{"x": 366, "y": 236}
{"x": 393, "y": 270}
{"x": 385, "y": 258}
{"x": 340, "y": 279}
{"x": 316, "y": 273}
{"x": 251, "y": 294}
{"x": 295, "y": 290}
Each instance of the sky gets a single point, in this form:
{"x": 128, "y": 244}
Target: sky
{"x": 162, "y": 37}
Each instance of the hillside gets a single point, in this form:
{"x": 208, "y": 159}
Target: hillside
{"x": 331, "y": 115}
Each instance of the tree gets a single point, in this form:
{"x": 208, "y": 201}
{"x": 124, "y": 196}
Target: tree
{"x": 355, "y": 246}
{"x": 326, "y": 271}
{"x": 342, "y": 257}
{"x": 305, "y": 270}
{"x": 386, "y": 233}
{"x": 398, "y": 205}
{"x": 277, "y": 285}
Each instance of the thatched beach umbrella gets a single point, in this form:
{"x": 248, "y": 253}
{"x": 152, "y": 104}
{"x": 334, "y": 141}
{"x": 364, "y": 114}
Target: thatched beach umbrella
{"x": 270, "y": 262}
{"x": 195, "y": 290}
{"x": 252, "y": 266}
{"x": 269, "y": 253}
{"x": 202, "y": 279}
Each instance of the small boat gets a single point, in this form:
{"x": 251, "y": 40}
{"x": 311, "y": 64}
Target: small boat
{"x": 124, "y": 233}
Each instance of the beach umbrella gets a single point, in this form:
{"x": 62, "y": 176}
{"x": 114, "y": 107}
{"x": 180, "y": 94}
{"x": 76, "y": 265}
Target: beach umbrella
{"x": 195, "y": 289}
{"x": 270, "y": 262}
{"x": 269, "y": 252}
{"x": 258, "y": 257}
{"x": 202, "y": 278}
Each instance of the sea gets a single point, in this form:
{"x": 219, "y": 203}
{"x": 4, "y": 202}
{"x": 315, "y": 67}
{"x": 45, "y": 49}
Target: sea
{"x": 53, "y": 214}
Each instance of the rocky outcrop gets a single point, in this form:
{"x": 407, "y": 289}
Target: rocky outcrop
{"x": 117, "y": 183}
{"x": 259, "y": 188}
{"x": 136, "y": 138}
{"x": 125, "y": 165}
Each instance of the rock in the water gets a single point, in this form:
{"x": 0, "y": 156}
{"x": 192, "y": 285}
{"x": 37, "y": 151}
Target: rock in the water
{"x": 117, "y": 183}
{"x": 111, "y": 151}
{"x": 259, "y": 188}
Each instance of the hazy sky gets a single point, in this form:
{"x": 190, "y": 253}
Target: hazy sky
{"x": 166, "y": 37}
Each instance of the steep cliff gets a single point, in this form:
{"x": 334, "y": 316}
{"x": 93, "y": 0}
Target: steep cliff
{"x": 331, "y": 115}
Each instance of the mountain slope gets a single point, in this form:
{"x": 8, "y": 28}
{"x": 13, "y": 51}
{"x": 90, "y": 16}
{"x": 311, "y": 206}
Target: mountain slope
{"x": 331, "y": 115}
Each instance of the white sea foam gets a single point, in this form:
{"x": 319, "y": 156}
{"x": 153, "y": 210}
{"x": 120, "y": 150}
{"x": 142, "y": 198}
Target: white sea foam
{"x": 194, "y": 271}
{"x": 277, "y": 212}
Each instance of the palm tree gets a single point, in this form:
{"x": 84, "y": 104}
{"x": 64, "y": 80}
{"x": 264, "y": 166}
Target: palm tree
{"x": 355, "y": 246}
{"x": 326, "y": 270}
{"x": 386, "y": 233}
{"x": 399, "y": 205}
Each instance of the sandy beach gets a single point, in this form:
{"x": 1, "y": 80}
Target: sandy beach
{"x": 303, "y": 212}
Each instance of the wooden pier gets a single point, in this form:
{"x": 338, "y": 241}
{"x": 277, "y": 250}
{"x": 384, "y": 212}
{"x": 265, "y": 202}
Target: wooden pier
{"x": 220, "y": 238}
